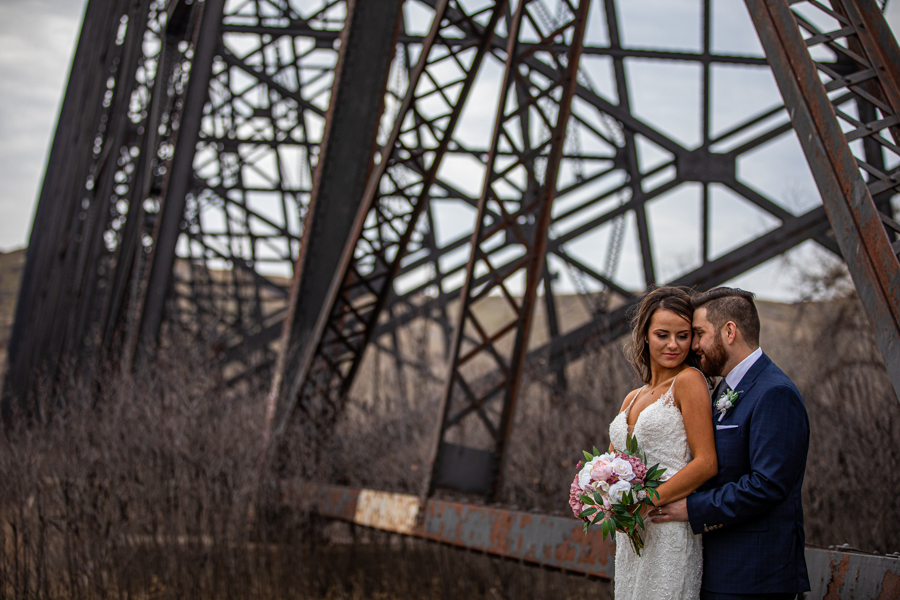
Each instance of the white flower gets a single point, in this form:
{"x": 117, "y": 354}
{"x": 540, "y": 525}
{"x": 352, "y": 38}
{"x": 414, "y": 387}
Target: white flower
{"x": 641, "y": 495}
{"x": 601, "y": 486}
{"x": 617, "y": 490}
{"x": 725, "y": 402}
{"x": 584, "y": 475}
{"x": 622, "y": 468}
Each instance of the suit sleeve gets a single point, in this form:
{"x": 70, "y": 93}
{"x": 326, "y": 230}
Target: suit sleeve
{"x": 778, "y": 444}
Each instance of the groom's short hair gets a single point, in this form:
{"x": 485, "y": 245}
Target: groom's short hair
{"x": 725, "y": 304}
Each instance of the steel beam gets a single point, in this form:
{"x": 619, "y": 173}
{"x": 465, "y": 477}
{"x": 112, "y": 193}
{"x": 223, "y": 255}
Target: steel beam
{"x": 835, "y": 573}
{"x": 346, "y": 159}
{"x": 206, "y": 42}
{"x": 534, "y": 538}
{"x": 524, "y": 222}
{"x": 43, "y": 310}
{"x": 848, "y": 198}
{"x": 395, "y": 197}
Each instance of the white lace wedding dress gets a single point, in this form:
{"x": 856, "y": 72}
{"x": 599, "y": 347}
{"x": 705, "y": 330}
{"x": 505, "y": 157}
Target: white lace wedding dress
{"x": 671, "y": 563}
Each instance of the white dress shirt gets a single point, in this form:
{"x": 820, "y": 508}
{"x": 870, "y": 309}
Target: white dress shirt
{"x": 734, "y": 377}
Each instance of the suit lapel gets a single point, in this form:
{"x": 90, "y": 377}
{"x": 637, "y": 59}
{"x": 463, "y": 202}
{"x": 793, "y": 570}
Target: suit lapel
{"x": 749, "y": 379}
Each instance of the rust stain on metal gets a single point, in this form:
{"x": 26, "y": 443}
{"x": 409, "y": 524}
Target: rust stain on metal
{"x": 500, "y": 528}
{"x": 543, "y": 539}
{"x": 890, "y": 586}
{"x": 838, "y": 572}
{"x": 553, "y": 540}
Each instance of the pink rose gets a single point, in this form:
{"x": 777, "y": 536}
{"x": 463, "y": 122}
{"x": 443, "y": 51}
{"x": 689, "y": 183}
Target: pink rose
{"x": 601, "y": 471}
{"x": 574, "y": 501}
{"x": 639, "y": 469}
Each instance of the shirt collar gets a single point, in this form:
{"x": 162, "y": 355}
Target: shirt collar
{"x": 733, "y": 379}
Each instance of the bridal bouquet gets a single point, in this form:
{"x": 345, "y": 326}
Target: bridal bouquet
{"x": 611, "y": 488}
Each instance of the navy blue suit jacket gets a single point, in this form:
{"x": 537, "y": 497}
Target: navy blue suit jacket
{"x": 750, "y": 513}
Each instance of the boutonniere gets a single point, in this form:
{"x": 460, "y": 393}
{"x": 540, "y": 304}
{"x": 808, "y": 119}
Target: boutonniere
{"x": 726, "y": 402}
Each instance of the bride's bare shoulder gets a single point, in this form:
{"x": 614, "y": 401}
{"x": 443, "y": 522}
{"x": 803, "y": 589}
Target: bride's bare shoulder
{"x": 691, "y": 381}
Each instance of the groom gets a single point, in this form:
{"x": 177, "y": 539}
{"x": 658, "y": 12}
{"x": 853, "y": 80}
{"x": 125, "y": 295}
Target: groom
{"x": 750, "y": 513}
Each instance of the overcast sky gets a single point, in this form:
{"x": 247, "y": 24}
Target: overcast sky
{"x": 37, "y": 38}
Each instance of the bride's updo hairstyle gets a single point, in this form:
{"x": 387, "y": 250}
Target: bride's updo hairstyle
{"x": 671, "y": 298}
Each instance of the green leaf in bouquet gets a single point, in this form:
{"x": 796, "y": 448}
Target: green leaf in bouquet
{"x": 639, "y": 519}
{"x": 651, "y": 492}
{"x": 596, "y": 452}
{"x": 587, "y": 455}
{"x": 585, "y": 499}
{"x": 587, "y": 512}
{"x": 598, "y": 499}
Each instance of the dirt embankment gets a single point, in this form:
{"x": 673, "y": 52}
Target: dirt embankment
{"x": 11, "y": 266}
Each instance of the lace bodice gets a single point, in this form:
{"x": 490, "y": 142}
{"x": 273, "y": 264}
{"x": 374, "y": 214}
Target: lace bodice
{"x": 670, "y": 566}
{"x": 659, "y": 431}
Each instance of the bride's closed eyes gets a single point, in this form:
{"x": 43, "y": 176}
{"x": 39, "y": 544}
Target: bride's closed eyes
{"x": 681, "y": 336}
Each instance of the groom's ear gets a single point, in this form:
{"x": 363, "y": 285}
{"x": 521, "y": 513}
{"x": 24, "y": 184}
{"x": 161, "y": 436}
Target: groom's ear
{"x": 731, "y": 332}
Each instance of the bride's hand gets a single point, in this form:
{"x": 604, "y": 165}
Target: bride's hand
{"x": 646, "y": 511}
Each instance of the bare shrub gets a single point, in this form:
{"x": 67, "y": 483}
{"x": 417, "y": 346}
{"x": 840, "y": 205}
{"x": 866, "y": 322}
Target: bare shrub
{"x": 133, "y": 471}
{"x": 552, "y": 428}
{"x": 148, "y": 487}
{"x": 854, "y": 416}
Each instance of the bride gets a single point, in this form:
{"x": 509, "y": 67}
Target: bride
{"x": 671, "y": 417}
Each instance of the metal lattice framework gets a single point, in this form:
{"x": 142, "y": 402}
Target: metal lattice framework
{"x": 292, "y": 181}
{"x": 515, "y": 205}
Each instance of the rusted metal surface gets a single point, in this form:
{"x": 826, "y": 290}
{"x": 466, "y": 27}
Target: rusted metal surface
{"x": 358, "y": 282}
{"x": 346, "y": 160}
{"x": 523, "y": 221}
{"x": 859, "y": 228}
{"x": 837, "y": 575}
{"x": 546, "y": 540}
{"x": 554, "y": 541}
{"x": 259, "y": 142}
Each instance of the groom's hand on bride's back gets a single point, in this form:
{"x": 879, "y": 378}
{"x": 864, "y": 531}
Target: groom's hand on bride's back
{"x": 676, "y": 511}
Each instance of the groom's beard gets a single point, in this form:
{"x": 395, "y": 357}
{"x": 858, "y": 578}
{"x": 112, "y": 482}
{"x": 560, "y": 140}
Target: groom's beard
{"x": 714, "y": 358}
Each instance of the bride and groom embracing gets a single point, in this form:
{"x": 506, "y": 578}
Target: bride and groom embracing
{"x": 728, "y": 523}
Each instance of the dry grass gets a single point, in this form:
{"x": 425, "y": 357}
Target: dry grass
{"x": 148, "y": 487}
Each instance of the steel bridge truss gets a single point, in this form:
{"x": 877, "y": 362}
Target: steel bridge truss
{"x": 291, "y": 182}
